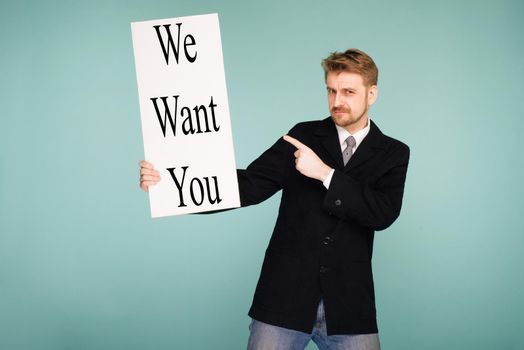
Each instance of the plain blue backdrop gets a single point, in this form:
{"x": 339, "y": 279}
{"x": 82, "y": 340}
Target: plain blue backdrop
{"x": 82, "y": 264}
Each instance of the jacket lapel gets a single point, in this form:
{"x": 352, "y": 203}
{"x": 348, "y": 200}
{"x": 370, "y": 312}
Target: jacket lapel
{"x": 327, "y": 133}
{"x": 367, "y": 149}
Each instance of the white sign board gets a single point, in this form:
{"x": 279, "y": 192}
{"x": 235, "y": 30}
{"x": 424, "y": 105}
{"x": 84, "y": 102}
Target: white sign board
{"x": 185, "y": 114}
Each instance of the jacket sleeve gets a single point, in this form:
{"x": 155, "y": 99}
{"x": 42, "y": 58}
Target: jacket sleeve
{"x": 375, "y": 205}
{"x": 265, "y": 175}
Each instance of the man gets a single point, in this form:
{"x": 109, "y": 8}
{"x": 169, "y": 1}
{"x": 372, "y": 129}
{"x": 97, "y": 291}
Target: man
{"x": 341, "y": 179}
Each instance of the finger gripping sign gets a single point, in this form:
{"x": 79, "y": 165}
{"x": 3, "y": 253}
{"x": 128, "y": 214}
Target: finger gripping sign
{"x": 184, "y": 113}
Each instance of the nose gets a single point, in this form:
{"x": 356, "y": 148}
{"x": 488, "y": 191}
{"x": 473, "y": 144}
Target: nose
{"x": 337, "y": 101}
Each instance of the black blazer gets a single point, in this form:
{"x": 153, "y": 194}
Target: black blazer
{"x": 322, "y": 242}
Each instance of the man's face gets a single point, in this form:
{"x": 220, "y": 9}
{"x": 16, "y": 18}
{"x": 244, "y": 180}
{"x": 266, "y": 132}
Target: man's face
{"x": 349, "y": 99}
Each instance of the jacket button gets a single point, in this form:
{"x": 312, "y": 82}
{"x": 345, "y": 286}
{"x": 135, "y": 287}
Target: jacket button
{"x": 324, "y": 269}
{"x": 338, "y": 202}
{"x": 327, "y": 240}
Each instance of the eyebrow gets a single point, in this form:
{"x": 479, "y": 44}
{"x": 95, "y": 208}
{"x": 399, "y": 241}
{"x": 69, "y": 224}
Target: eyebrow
{"x": 344, "y": 88}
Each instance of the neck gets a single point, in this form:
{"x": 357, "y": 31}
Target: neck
{"x": 359, "y": 125}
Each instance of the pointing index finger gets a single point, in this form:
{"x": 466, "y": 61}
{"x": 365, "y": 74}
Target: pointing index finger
{"x": 295, "y": 142}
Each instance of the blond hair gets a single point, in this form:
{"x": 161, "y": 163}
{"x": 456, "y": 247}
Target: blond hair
{"x": 352, "y": 61}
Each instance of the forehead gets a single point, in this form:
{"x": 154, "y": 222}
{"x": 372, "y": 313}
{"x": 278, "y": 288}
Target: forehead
{"x": 344, "y": 80}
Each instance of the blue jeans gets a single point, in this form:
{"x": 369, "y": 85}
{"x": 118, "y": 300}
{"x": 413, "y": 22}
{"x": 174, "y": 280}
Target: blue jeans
{"x": 268, "y": 337}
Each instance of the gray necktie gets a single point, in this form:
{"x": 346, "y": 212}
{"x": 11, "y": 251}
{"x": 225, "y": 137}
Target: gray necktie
{"x": 348, "y": 152}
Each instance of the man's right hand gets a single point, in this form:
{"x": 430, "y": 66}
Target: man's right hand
{"x": 148, "y": 175}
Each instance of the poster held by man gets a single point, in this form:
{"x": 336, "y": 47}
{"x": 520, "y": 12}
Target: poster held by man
{"x": 185, "y": 114}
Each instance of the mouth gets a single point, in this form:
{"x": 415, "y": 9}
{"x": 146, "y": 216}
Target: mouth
{"x": 338, "y": 112}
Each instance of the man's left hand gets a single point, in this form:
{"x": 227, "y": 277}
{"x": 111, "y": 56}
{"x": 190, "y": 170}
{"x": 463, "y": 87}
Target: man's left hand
{"x": 307, "y": 162}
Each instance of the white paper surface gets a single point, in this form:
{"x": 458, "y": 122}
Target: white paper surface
{"x": 198, "y": 138}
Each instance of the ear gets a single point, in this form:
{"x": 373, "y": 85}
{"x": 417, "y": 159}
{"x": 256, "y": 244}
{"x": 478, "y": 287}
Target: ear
{"x": 372, "y": 94}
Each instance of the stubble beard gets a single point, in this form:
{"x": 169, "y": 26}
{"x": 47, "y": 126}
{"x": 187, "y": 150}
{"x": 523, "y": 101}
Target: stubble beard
{"x": 348, "y": 120}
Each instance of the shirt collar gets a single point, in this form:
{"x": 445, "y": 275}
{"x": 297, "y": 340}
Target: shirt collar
{"x": 359, "y": 136}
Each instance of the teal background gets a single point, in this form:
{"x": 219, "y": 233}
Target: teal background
{"x": 82, "y": 264}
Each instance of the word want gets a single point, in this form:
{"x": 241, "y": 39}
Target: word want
{"x": 193, "y": 122}
{"x": 196, "y": 188}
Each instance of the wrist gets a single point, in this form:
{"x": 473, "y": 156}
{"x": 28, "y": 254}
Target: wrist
{"x": 325, "y": 171}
